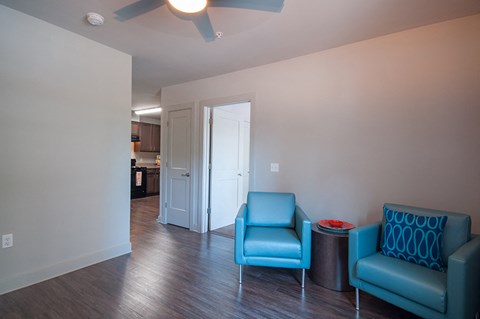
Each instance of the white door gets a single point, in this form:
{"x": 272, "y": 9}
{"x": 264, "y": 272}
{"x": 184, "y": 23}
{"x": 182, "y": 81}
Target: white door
{"x": 179, "y": 167}
{"x": 227, "y": 157}
{"x": 246, "y": 160}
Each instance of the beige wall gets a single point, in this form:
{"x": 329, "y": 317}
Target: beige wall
{"x": 64, "y": 138}
{"x": 391, "y": 119}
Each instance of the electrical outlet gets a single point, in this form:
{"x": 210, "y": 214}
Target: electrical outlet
{"x": 274, "y": 167}
{"x": 7, "y": 240}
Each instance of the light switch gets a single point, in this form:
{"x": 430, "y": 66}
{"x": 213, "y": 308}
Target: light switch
{"x": 274, "y": 167}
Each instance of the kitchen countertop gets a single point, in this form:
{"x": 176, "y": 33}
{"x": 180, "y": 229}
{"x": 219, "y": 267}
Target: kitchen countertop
{"x": 148, "y": 165}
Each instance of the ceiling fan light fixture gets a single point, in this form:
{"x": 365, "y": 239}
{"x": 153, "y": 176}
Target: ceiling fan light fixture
{"x": 189, "y": 6}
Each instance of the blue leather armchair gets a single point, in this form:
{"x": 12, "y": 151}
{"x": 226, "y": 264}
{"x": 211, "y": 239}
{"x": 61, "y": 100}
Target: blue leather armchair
{"x": 270, "y": 230}
{"x": 428, "y": 293}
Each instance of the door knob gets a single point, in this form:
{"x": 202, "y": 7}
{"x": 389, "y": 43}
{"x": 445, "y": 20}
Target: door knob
{"x": 186, "y": 174}
{"x": 239, "y": 174}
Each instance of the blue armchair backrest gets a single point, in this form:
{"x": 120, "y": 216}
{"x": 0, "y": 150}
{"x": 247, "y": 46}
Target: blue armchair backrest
{"x": 457, "y": 229}
{"x": 271, "y": 209}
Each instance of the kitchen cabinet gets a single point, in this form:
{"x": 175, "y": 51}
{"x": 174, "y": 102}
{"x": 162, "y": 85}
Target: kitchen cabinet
{"x": 149, "y": 138}
{"x": 135, "y": 128}
{"x": 145, "y": 137}
{"x": 156, "y": 138}
{"x": 153, "y": 181}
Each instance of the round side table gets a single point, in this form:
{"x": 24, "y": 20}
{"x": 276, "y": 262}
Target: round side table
{"x": 329, "y": 265}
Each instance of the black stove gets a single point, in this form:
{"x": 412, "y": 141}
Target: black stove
{"x": 138, "y": 180}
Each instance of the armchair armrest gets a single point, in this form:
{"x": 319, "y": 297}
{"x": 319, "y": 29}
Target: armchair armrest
{"x": 303, "y": 228}
{"x": 463, "y": 280}
{"x": 362, "y": 242}
{"x": 240, "y": 229}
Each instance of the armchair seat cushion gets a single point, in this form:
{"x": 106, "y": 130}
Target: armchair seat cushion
{"x": 411, "y": 281}
{"x": 272, "y": 242}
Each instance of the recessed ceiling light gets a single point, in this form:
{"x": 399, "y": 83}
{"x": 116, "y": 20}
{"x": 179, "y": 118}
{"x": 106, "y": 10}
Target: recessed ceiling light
{"x": 95, "y": 18}
{"x": 219, "y": 34}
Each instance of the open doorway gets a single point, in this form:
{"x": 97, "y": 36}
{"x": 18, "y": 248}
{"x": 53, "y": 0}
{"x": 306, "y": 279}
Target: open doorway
{"x": 228, "y": 152}
{"x": 145, "y": 167}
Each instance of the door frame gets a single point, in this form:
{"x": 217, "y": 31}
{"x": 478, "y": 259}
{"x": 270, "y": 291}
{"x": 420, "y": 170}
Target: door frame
{"x": 204, "y": 133}
{"x": 163, "y": 218}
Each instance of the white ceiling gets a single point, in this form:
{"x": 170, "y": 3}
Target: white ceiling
{"x": 167, "y": 50}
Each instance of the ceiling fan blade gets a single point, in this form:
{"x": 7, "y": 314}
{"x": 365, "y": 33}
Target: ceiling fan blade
{"x": 137, "y": 8}
{"x": 262, "y": 5}
{"x": 204, "y": 26}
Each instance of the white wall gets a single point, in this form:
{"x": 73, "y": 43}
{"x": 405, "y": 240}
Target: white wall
{"x": 391, "y": 119}
{"x": 64, "y": 139}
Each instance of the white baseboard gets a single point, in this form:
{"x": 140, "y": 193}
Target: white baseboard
{"x": 38, "y": 275}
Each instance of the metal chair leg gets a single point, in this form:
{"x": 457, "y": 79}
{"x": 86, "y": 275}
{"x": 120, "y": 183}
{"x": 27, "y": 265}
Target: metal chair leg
{"x": 240, "y": 279}
{"x": 357, "y": 299}
{"x": 303, "y": 278}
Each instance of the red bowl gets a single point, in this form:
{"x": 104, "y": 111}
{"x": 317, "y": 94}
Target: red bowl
{"x": 335, "y": 223}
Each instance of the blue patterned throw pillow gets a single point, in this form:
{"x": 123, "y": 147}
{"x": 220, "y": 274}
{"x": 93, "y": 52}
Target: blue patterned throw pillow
{"x": 417, "y": 239}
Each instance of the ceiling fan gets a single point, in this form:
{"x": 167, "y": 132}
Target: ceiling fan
{"x": 196, "y": 10}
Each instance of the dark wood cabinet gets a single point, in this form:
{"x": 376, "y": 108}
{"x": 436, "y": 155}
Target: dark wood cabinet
{"x": 145, "y": 137}
{"x": 149, "y": 137}
{"x": 153, "y": 181}
{"x": 156, "y": 138}
{"x": 150, "y": 183}
{"x": 135, "y": 128}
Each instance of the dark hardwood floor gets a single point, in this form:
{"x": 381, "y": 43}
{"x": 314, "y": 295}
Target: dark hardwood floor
{"x": 175, "y": 273}
{"x": 227, "y": 231}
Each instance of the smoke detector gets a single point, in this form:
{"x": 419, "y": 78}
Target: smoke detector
{"x": 95, "y": 19}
